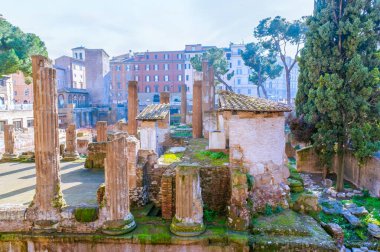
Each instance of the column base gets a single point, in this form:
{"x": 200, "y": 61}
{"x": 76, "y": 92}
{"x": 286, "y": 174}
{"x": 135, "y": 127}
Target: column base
{"x": 69, "y": 156}
{"x": 9, "y": 157}
{"x": 119, "y": 227}
{"x": 45, "y": 226}
{"x": 186, "y": 229}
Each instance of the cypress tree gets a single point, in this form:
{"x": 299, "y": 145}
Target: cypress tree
{"x": 339, "y": 79}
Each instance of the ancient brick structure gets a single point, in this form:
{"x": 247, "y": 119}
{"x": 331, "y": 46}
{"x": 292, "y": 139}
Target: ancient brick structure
{"x": 133, "y": 145}
{"x": 119, "y": 219}
{"x": 183, "y": 103}
{"x": 133, "y": 107}
{"x": 96, "y": 154}
{"x": 48, "y": 200}
{"x": 101, "y": 131}
{"x": 197, "y": 106}
{"x": 9, "y": 142}
{"x": 188, "y": 219}
{"x": 167, "y": 196}
{"x": 164, "y": 98}
{"x": 71, "y": 152}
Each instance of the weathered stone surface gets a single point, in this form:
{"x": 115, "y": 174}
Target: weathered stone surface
{"x": 101, "y": 131}
{"x": 188, "y": 219}
{"x": 238, "y": 212}
{"x": 96, "y": 154}
{"x": 374, "y": 230}
{"x": 183, "y": 103}
{"x": 354, "y": 221}
{"x": 335, "y": 231}
{"x": 48, "y": 199}
{"x": 119, "y": 220}
{"x": 307, "y": 203}
{"x": 133, "y": 107}
{"x": 71, "y": 152}
{"x": 355, "y": 210}
{"x": 197, "y": 121}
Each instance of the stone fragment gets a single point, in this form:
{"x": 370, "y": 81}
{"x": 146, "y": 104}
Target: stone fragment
{"x": 355, "y": 210}
{"x": 341, "y": 195}
{"x": 176, "y": 149}
{"x": 352, "y": 219}
{"x": 336, "y": 232}
{"x": 307, "y": 203}
{"x": 328, "y": 183}
{"x": 374, "y": 230}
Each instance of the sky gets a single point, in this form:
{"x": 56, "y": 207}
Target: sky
{"x": 118, "y": 26}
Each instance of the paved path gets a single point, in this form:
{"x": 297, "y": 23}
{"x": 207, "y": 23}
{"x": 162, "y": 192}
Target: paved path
{"x": 79, "y": 185}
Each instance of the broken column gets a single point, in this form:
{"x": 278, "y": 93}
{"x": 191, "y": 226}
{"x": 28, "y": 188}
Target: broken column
{"x": 183, "y": 103}
{"x": 119, "y": 219}
{"x": 164, "y": 98}
{"x": 71, "y": 152}
{"x": 101, "y": 131}
{"x": 48, "y": 200}
{"x": 188, "y": 219}
{"x": 133, "y": 107}
{"x": 208, "y": 99}
{"x": 133, "y": 145}
{"x": 197, "y": 106}
{"x": 9, "y": 142}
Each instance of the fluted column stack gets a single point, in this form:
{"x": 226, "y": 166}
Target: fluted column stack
{"x": 133, "y": 107}
{"x": 188, "y": 219}
{"x": 119, "y": 218}
{"x": 71, "y": 152}
{"x": 197, "y": 106}
{"x": 183, "y": 103}
{"x": 101, "y": 131}
{"x": 48, "y": 199}
{"x": 9, "y": 142}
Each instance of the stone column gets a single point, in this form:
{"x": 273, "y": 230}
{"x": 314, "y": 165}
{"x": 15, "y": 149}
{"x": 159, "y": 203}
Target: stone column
{"x": 101, "y": 131}
{"x": 133, "y": 107}
{"x": 206, "y": 90}
{"x": 9, "y": 142}
{"x": 164, "y": 98}
{"x": 48, "y": 200}
{"x": 183, "y": 103}
{"x": 188, "y": 219}
{"x": 119, "y": 219}
{"x": 71, "y": 152}
{"x": 133, "y": 145}
{"x": 197, "y": 107}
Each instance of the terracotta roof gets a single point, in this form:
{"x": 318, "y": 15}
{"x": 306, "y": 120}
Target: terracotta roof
{"x": 239, "y": 102}
{"x": 154, "y": 112}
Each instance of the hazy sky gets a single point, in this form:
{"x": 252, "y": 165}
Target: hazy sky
{"x": 120, "y": 25}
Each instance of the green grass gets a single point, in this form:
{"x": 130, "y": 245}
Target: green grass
{"x": 215, "y": 158}
{"x": 170, "y": 158}
{"x": 372, "y": 204}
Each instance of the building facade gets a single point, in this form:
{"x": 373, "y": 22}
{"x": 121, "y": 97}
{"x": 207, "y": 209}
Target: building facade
{"x": 155, "y": 72}
{"x": 22, "y": 92}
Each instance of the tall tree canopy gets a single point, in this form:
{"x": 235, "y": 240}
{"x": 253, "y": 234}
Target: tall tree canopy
{"x": 340, "y": 79}
{"x": 263, "y": 65}
{"x": 217, "y": 60}
{"x": 277, "y": 35}
{"x": 16, "y": 49}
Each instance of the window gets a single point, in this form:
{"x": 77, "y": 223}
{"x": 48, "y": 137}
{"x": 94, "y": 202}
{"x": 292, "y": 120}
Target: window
{"x": 15, "y": 92}
{"x": 166, "y": 88}
{"x": 29, "y": 123}
{"x": 136, "y": 67}
{"x": 238, "y": 81}
{"x": 80, "y": 56}
{"x": 179, "y": 88}
{"x": 117, "y": 68}
{"x": 193, "y": 48}
{"x": 166, "y": 78}
{"x": 147, "y": 89}
{"x": 240, "y": 51}
{"x": 156, "y": 67}
{"x": 166, "y": 56}
{"x": 156, "y": 78}
{"x": 239, "y": 62}
{"x": 179, "y": 77}
{"x": 136, "y": 78}
{"x": 166, "y": 67}
{"x": 147, "y": 78}
{"x": 26, "y": 92}
{"x": 147, "y": 56}
{"x": 147, "y": 67}
{"x": 239, "y": 71}
{"x": 118, "y": 85}
{"x": 179, "y": 66}
{"x": 179, "y": 56}
{"x": 156, "y": 89}
{"x": 230, "y": 65}
{"x": 155, "y": 56}
{"x": 127, "y": 67}
{"x": 187, "y": 77}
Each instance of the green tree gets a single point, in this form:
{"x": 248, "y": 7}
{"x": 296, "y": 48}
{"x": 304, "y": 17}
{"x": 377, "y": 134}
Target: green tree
{"x": 217, "y": 60}
{"x": 339, "y": 79}
{"x": 16, "y": 49}
{"x": 263, "y": 65}
{"x": 277, "y": 35}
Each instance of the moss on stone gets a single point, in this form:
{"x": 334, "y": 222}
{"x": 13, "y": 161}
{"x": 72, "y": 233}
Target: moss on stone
{"x": 86, "y": 214}
{"x": 58, "y": 201}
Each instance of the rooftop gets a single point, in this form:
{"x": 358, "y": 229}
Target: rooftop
{"x": 154, "y": 112}
{"x": 238, "y": 102}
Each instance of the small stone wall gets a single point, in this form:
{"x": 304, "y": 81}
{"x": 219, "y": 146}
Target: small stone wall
{"x": 96, "y": 155}
{"x": 308, "y": 161}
